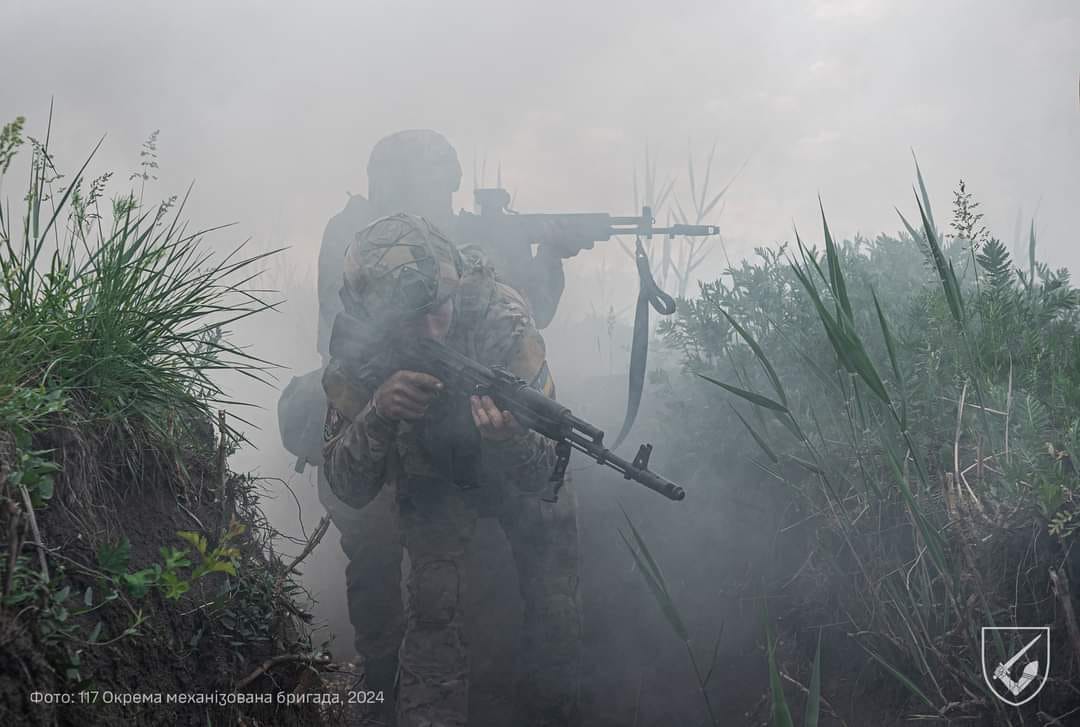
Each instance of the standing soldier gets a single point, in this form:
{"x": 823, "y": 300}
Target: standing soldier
{"x": 414, "y": 171}
{"x": 404, "y": 279}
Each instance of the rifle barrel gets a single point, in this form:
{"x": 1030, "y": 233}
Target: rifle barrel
{"x": 688, "y": 230}
{"x": 642, "y": 226}
{"x": 629, "y": 471}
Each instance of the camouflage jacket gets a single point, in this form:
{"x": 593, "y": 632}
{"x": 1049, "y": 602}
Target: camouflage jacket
{"x": 363, "y": 452}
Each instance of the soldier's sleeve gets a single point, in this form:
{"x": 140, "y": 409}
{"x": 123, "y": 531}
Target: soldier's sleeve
{"x": 529, "y": 458}
{"x": 357, "y": 440}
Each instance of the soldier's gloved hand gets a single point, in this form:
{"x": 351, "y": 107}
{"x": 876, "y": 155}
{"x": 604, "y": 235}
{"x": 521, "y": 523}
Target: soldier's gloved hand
{"x": 494, "y": 425}
{"x": 406, "y": 395}
{"x": 562, "y": 239}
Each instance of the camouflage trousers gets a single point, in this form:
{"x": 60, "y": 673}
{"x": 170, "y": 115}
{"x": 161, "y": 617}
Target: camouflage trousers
{"x": 434, "y": 523}
{"x": 371, "y": 541}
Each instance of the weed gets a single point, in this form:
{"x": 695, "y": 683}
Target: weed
{"x": 918, "y": 397}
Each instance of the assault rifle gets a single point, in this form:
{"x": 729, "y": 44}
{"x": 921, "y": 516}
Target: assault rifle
{"x": 531, "y": 408}
{"x": 507, "y": 237}
{"x": 539, "y": 413}
{"x": 495, "y": 223}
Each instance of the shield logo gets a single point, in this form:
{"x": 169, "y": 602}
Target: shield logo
{"x": 1016, "y": 662}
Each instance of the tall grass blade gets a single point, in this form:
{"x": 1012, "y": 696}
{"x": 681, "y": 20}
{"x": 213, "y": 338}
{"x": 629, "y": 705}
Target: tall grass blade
{"x": 761, "y": 357}
{"x": 1031, "y": 254}
{"x": 813, "y": 698}
{"x": 655, "y": 580}
{"x": 848, "y": 347}
{"x": 945, "y": 270}
{"x": 900, "y": 677}
{"x": 890, "y": 346}
{"x": 836, "y": 276}
{"x": 750, "y": 396}
{"x": 781, "y": 714}
{"x": 71, "y": 188}
{"x": 757, "y": 437}
{"x": 934, "y": 543}
{"x": 925, "y": 195}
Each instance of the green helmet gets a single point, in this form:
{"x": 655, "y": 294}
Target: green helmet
{"x": 399, "y": 266}
{"x": 418, "y": 156}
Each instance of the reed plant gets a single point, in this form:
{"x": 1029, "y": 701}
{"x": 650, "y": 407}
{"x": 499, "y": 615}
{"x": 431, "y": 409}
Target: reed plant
{"x": 919, "y": 397}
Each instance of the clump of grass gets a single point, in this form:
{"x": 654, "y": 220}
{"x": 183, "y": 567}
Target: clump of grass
{"x": 114, "y": 331}
{"x": 115, "y": 304}
{"x": 918, "y": 395}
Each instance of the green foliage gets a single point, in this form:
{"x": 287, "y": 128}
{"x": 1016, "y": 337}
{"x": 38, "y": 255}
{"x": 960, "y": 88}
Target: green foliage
{"x": 967, "y": 221}
{"x": 123, "y": 311}
{"x": 919, "y": 397}
{"x": 167, "y": 576}
{"x": 222, "y": 559}
{"x": 780, "y": 713}
{"x": 172, "y": 584}
{"x": 114, "y": 559}
{"x": 246, "y": 606}
{"x": 654, "y": 578}
{"x": 22, "y": 410}
{"x": 114, "y": 323}
{"x": 50, "y": 601}
{"x": 779, "y": 710}
{"x": 813, "y": 699}
{"x": 10, "y": 140}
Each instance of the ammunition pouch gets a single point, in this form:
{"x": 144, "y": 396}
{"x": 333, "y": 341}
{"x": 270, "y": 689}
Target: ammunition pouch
{"x": 301, "y": 416}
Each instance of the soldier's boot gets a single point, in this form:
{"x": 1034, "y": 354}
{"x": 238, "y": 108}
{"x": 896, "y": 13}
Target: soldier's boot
{"x": 433, "y": 669}
{"x": 373, "y": 580}
{"x": 376, "y": 703}
{"x": 543, "y": 537}
{"x": 433, "y": 663}
{"x": 371, "y": 541}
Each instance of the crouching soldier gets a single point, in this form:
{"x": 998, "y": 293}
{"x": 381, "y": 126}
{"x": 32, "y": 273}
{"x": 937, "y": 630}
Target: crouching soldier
{"x": 390, "y": 426}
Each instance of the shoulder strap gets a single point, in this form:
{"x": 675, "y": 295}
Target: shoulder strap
{"x": 649, "y": 295}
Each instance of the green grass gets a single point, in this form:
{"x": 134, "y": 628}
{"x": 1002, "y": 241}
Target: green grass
{"x": 920, "y": 396}
{"x": 116, "y": 304}
{"x": 115, "y": 324}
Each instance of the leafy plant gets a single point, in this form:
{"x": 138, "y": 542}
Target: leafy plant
{"x": 167, "y": 576}
{"x": 918, "y": 397}
{"x": 222, "y": 559}
{"x": 22, "y": 410}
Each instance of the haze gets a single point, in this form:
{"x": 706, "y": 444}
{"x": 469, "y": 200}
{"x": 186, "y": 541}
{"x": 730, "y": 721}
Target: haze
{"x": 273, "y": 107}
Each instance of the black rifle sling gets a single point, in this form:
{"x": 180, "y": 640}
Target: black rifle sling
{"x": 649, "y": 294}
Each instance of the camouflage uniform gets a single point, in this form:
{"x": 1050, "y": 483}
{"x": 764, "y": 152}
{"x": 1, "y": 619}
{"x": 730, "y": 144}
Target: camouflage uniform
{"x": 369, "y": 537}
{"x": 365, "y": 453}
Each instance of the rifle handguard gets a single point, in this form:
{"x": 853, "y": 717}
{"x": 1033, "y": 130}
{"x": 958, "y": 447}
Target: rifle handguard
{"x": 537, "y": 412}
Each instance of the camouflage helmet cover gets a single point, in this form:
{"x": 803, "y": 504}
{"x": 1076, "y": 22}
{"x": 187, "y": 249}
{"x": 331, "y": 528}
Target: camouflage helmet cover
{"x": 399, "y": 266}
{"x": 419, "y": 156}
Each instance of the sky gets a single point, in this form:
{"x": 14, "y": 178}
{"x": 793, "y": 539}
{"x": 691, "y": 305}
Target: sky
{"x": 271, "y": 108}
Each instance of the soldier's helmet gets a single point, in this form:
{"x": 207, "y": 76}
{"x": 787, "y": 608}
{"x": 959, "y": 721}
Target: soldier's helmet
{"x": 399, "y": 267}
{"x": 415, "y": 156}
